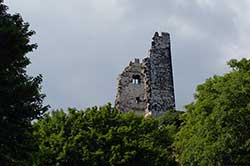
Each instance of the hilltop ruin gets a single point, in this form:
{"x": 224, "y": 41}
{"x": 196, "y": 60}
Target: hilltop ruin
{"x": 147, "y": 87}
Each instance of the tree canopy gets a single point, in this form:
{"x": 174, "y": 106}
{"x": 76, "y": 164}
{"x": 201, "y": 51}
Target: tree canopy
{"x": 104, "y": 137}
{"x": 20, "y": 97}
{"x": 216, "y": 128}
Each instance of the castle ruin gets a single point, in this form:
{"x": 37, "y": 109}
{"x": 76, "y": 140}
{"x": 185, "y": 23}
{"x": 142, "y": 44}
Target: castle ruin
{"x": 147, "y": 87}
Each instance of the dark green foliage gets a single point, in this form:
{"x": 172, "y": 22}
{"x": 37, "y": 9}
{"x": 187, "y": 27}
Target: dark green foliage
{"x": 217, "y": 124}
{"x": 172, "y": 117}
{"x": 103, "y": 137}
{"x": 20, "y": 98}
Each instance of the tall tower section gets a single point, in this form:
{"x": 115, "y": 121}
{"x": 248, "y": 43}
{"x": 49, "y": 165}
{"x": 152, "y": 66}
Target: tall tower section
{"x": 147, "y": 87}
{"x": 158, "y": 71}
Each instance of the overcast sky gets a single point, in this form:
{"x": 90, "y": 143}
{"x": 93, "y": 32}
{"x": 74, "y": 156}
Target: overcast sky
{"x": 85, "y": 44}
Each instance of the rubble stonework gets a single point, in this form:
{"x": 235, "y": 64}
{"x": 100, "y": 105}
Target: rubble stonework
{"x": 131, "y": 94}
{"x": 147, "y": 88}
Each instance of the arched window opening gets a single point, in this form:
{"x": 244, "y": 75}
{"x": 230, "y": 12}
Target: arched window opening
{"x": 136, "y": 79}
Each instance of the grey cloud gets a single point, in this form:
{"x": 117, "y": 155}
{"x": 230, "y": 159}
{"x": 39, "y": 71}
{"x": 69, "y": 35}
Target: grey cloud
{"x": 84, "y": 45}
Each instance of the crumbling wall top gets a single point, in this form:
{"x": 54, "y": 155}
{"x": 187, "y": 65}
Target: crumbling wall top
{"x": 160, "y": 41}
{"x": 147, "y": 87}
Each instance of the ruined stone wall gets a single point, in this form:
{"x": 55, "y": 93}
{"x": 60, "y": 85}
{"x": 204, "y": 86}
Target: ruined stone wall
{"x": 147, "y": 88}
{"x": 131, "y": 85}
{"x": 159, "y": 89}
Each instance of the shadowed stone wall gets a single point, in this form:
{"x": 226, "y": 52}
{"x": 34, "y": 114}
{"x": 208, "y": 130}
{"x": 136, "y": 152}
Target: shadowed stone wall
{"x": 159, "y": 76}
{"x": 147, "y": 88}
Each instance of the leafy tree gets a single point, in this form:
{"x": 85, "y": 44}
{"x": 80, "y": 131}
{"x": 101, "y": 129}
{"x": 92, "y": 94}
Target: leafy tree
{"x": 20, "y": 97}
{"x": 102, "y": 137}
{"x": 172, "y": 117}
{"x": 216, "y": 128}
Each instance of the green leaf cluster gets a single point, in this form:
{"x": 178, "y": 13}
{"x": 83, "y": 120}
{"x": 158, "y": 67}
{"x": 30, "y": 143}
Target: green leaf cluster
{"x": 20, "y": 97}
{"x": 103, "y": 136}
{"x": 216, "y": 128}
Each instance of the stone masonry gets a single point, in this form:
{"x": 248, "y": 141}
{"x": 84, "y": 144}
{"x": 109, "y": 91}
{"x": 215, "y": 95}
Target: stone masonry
{"x": 147, "y": 87}
{"x": 131, "y": 89}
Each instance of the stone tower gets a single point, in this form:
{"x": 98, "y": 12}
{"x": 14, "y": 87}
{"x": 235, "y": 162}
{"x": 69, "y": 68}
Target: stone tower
{"x": 147, "y": 87}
